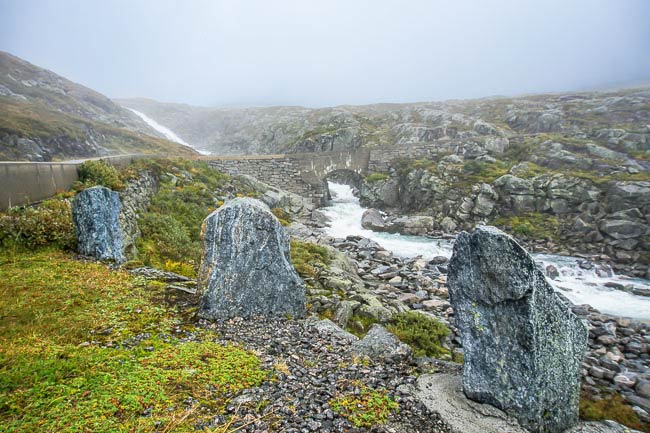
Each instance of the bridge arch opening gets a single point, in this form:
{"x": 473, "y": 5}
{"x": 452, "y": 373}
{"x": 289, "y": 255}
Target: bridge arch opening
{"x": 345, "y": 177}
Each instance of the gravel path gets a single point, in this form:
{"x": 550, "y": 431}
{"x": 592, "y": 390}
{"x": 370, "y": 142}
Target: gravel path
{"x": 311, "y": 368}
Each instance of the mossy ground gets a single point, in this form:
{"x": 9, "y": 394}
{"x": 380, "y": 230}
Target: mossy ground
{"x": 64, "y": 364}
{"x": 612, "y": 407}
{"x": 307, "y": 258}
{"x": 531, "y": 225}
{"x": 424, "y": 334}
{"x": 366, "y": 408}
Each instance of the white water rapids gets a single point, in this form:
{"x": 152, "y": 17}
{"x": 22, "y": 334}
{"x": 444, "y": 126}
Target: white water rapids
{"x": 168, "y": 133}
{"x": 581, "y": 286}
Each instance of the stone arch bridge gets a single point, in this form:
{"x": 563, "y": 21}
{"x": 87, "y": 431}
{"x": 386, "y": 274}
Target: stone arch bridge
{"x": 306, "y": 173}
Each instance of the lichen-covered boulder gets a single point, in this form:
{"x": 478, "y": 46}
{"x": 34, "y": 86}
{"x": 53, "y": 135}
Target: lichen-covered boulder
{"x": 95, "y": 213}
{"x": 246, "y": 268}
{"x": 523, "y": 347}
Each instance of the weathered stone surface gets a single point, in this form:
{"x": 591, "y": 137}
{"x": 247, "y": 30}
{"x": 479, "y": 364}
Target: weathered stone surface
{"x": 95, "y": 212}
{"x": 623, "y": 229}
{"x": 443, "y": 395}
{"x": 382, "y": 345}
{"x": 245, "y": 269}
{"x": 523, "y": 346}
{"x": 328, "y": 327}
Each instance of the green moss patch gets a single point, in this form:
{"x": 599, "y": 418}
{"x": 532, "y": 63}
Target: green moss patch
{"x": 367, "y": 408}
{"x": 612, "y": 407}
{"x": 531, "y": 225}
{"x": 307, "y": 258}
{"x": 424, "y": 334}
{"x": 377, "y": 177}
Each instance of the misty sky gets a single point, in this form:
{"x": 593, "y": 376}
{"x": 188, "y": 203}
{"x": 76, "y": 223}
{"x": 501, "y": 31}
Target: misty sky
{"x": 329, "y": 52}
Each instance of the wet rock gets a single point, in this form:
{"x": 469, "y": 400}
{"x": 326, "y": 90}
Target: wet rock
{"x": 372, "y": 219}
{"x": 552, "y": 272}
{"x": 513, "y": 326}
{"x": 448, "y": 225}
{"x": 380, "y": 344}
{"x": 623, "y": 229}
{"x": 328, "y": 327}
{"x": 95, "y": 213}
{"x": 245, "y": 269}
{"x": 412, "y": 225}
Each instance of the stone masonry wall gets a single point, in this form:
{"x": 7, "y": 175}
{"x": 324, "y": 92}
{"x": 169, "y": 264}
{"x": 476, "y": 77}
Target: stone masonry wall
{"x": 302, "y": 174}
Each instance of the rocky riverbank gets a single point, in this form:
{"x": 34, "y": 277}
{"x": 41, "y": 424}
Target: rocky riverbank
{"x": 618, "y": 356}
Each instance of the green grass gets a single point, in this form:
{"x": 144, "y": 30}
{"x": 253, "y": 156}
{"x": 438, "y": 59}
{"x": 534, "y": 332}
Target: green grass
{"x": 424, "y": 334}
{"x": 368, "y": 408}
{"x": 51, "y": 303}
{"x": 483, "y": 172}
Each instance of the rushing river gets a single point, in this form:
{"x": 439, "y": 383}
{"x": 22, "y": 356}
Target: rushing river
{"x": 581, "y": 286}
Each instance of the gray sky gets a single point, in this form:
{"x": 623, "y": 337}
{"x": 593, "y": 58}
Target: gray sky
{"x": 329, "y": 52}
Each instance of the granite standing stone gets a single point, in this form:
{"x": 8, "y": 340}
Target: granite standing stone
{"x": 246, "y": 268}
{"x": 95, "y": 213}
{"x": 523, "y": 346}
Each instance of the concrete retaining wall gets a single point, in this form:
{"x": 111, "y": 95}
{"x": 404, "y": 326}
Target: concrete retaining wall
{"x": 29, "y": 182}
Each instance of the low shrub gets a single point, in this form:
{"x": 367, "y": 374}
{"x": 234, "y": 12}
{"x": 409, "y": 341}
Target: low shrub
{"x": 424, "y": 334}
{"x": 367, "y": 408}
{"x": 307, "y": 257}
{"x": 171, "y": 228}
{"x": 47, "y": 224}
{"x": 98, "y": 172}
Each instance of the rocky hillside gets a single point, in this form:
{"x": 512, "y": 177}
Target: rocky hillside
{"x": 617, "y": 119}
{"x": 44, "y": 116}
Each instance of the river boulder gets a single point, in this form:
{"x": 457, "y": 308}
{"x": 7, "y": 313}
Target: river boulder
{"x": 523, "y": 347}
{"x": 95, "y": 213}
{"x": 246, "y": 269}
